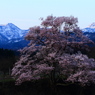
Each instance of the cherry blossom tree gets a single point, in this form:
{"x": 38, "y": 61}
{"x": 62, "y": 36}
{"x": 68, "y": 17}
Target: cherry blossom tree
{"x": 50, "y": 53}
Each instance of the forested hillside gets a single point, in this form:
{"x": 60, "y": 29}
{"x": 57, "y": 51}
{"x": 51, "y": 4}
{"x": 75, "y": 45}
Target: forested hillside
{"x": 7, "y": 60}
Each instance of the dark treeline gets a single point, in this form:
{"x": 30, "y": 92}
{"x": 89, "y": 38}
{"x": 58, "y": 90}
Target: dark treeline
{"x": 91, "y": 53}
{"x": 7, "y": 60}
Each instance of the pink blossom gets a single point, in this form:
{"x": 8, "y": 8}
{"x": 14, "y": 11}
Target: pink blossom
{"x": 51, "y": 53}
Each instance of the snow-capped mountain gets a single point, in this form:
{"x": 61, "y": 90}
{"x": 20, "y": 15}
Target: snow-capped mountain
{"x": 10, "y": 31}
{"x": 90, "y": 28}
{"x": 92, "y": 25}
{"x": 10, "y": 35}
{"x": 89, "y": 31}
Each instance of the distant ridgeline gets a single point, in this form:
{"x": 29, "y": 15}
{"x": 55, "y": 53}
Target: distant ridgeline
{"x": 12, "y": 37}
{"x": 7, "y": 60}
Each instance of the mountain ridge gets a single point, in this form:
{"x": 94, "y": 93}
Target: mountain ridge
{"x": 12, "y": 37}
{"x": 11, "y": 31}
{"x": 90, "y": 28}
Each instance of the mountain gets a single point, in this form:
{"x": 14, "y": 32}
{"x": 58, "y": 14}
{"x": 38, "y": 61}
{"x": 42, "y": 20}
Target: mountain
{"x": 12, "y": 37}
{"x": 92, "y": 25}
{"x": 90, "y": 28}
{"x": 11, "y": 31}
{"x": 89, "y": 31}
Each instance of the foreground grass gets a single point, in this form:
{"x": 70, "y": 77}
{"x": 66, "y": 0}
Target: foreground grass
{"x": 42, "y": 87}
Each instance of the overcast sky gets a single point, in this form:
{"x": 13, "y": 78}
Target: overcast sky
{"x": 26, "y": 13}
